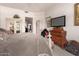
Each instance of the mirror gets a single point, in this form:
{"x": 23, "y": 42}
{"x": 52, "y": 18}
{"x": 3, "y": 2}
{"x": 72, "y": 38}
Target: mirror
{"x": 76, "y": 14}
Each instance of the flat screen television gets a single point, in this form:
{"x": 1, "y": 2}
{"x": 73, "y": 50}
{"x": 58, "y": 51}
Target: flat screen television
{"x": 58, "y": 21}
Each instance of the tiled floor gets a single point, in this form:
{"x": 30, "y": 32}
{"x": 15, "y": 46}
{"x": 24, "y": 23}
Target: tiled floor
{"x": 57, "y": 51}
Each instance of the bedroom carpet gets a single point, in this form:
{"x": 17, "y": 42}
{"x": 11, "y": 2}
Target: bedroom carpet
{"x": 57, "y": 51}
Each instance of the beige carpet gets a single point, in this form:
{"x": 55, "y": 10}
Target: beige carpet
{"x": 24, "y": 44}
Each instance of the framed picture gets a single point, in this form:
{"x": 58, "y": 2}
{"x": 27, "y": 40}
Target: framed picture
{"x": 76, "y": 14}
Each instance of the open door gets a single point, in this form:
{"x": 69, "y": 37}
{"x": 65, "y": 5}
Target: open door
{"x": 28, "y": 24}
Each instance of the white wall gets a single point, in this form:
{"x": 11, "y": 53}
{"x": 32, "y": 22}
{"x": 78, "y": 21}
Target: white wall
{"x": 68, "y": 10}
{"x": 40, "y": 16}
{"x": 7, "y": 12}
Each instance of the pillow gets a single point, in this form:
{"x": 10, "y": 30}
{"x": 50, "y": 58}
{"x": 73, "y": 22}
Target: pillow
{"x": 44, "y": 32}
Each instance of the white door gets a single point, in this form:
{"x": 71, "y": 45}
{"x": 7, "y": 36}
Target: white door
{"x": 38, "y": 26}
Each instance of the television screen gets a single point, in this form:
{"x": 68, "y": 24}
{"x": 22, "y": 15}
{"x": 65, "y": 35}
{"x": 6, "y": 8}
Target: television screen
{"x": 58, "y": 21}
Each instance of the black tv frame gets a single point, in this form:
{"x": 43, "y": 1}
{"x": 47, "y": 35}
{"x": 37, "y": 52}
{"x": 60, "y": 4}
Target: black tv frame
{"x": 60, "y": 25}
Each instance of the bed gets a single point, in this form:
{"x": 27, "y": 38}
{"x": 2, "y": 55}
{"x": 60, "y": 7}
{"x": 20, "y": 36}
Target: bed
{"x": 24, "y": 44}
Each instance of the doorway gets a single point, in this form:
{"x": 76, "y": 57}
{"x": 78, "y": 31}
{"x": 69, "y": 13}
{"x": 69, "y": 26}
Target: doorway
{"x": 28, "y": 24}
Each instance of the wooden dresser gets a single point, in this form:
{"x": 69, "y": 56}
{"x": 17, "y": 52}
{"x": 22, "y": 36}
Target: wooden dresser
{"x": 59, "y": 36}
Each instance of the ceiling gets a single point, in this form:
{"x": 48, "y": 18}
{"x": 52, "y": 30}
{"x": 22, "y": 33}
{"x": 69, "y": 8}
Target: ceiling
{"x": 35, "y": 7}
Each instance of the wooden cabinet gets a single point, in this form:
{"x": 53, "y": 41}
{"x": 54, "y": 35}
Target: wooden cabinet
{"x": 59, "y": 37}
